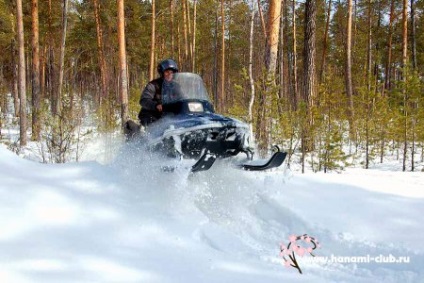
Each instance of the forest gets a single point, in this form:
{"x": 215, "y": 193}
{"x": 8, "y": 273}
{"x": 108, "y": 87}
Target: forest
{"x": 334, "y": 83}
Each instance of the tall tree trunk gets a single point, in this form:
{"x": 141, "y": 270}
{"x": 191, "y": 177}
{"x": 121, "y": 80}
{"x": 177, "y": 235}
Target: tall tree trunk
{"x": 190, "y": 35}
{"x": 414, "y": 66}
{"x": 215, "y": 63}
{"x": 22, "y": 74}
{"x": 193, "y": 57}
{"x": 273, "y": 33}
{"x": 15, "y": 77}
{"x": 369, "y": 47}
{"x": 309, "y": 88}
{"x": 180, "y": 56}
{"x": 222, "y": 77}
{"x": 388, "y": 71}
{"x": 172, "y": 8}
{"x": 123, "y": 90}
{"x": 261, "y": 16}
{"x": 62, "y": 55}
{"x": 251, "y": 79}
{"x": 229, "y": 97}
{"x": 325, "y": 44}
{"x": 51, "y": 63}
{"x": 43, "y": 71}
{"x": 404, "y": 79}
{"x": 413, "y": 36}
{"x": 271, "y": 55}
{"x": 100, "y": 51}
{"x": 309, "y": 52}
{"x": 185, "y": 29}
{"x": 36, "y": 99}
{"x": 368, "y": 78}
{"x": 377, "y": 61}
{"x": 152, "y": 42}
{"x": 295, "y": 83}
{"x": 28, "y": 65}
{"x": 281, "y": 61}
{"x": 348, "y": 70}
{"x": 3, "y": 98}
{"x": 288, "y": 57}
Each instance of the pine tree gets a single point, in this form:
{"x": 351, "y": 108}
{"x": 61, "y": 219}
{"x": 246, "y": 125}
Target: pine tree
{"x": 22, "y": 75}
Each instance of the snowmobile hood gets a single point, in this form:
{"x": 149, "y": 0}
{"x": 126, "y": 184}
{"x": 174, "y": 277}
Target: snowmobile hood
{"x": 181, "y": 124}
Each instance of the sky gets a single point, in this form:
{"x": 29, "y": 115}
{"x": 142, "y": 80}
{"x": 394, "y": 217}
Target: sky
{"x": 126, "y": 221}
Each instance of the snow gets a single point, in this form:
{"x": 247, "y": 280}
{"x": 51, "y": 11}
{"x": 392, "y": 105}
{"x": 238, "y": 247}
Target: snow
{"x": 125, "y": 221}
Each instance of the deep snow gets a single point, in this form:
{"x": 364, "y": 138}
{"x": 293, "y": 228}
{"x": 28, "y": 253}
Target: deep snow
{"x": 125, "y": 221}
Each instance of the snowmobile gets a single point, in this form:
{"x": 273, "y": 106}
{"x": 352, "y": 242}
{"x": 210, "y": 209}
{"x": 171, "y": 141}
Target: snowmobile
{"x": 190, "y": 129}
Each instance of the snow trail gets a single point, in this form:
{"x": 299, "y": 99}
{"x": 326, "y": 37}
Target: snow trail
{"x": 129, "y": 221}
{"x": 254, "y": 210}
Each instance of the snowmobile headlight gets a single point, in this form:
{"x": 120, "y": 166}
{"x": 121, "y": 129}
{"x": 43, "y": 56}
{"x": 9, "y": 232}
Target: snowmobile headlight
{"x": 195, "y": 107}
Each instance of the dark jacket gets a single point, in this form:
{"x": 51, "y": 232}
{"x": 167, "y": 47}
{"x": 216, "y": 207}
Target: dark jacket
{"x": 150, "y": 98}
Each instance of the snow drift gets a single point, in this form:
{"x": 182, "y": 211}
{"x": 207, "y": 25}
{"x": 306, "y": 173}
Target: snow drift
{"x": 129, "y": 222}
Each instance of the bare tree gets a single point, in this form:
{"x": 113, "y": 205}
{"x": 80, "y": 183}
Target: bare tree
{"x": 123, "y": 89}
{"x": 21, "y": 74}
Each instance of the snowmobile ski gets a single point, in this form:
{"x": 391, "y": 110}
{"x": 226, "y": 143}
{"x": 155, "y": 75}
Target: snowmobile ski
{"x": 259, "y": 165}
{"x": 204, "y": 163}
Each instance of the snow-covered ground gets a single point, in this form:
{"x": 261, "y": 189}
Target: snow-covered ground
{"x": 125, "y": 221}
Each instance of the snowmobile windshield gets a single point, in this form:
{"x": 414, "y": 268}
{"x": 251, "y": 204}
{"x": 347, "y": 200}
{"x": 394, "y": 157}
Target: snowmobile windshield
{"x": 184, "y": 86}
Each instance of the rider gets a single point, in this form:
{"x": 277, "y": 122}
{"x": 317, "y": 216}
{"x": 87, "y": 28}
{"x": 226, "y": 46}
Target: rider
{"x": 151, "y": 97}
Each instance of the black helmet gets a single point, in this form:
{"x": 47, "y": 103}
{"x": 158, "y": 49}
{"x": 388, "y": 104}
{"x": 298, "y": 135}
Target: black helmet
{"x": 166, "y": 65}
